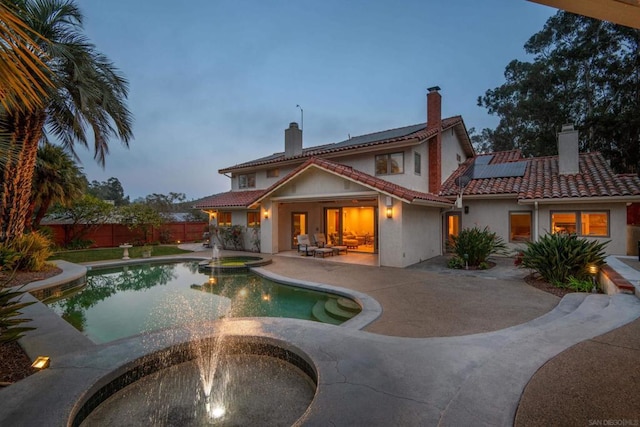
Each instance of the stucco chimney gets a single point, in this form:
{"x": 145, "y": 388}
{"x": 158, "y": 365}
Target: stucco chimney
{"x": 434, "y": 121}
{"x": 568, "y": 163}
{"x": 292, "y": 140}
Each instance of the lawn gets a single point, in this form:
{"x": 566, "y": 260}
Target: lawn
{"x": 103, "y": 254}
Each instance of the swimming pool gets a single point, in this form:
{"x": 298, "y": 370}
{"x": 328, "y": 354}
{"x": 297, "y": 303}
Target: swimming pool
{"x": 125, "y": 301}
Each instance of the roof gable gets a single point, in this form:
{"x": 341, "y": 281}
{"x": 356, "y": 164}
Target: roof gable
{"x": 366, "y": 180}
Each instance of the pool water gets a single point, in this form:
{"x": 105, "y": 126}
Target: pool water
{"x": 125, "y": 301}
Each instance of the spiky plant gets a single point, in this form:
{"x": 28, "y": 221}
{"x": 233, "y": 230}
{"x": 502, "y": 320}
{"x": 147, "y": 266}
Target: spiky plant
{"x": 557, "y": 257}
{"x": 474, "y": 245}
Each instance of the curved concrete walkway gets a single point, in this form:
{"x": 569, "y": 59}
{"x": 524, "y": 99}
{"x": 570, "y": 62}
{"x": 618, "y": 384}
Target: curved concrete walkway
{"x": 366, "y": 378}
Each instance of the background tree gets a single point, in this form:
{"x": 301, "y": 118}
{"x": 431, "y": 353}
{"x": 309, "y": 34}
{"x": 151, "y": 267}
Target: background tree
{"x": 57, "y": 180}
{"x": 169, "y": 204}
{"x": 83, "y": 216}
{"x": 88, "y": 93}
{"x": 585, "y": 72}
{"x": 141, "y": 217}
{"x": 110, "y": 189}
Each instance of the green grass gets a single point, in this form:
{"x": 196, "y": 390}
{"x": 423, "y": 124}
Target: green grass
{"x": 103, "y": 254}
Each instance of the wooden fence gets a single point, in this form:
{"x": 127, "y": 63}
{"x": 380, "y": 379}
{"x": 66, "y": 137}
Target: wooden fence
{"x": 111, "y": 235}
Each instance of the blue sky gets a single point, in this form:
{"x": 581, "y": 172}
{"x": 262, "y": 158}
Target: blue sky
{"x": 215, "y": 83}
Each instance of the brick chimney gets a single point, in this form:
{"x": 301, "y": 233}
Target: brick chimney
{"x": 292, "y": 140}
{"x": 434, "y": 121}
{"x": 568, "y": 151}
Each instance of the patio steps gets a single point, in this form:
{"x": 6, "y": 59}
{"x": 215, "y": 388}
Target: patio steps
{"x": 334, "y": 311}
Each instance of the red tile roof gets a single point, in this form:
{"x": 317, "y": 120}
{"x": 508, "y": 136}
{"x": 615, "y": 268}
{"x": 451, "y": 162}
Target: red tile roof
{"x": 369, "y": 181}
{"x": 541, "y": 179}
{"x": 230, "y": 199}
{"x": 247, "y": 198}
{"x": 421, "y": 134}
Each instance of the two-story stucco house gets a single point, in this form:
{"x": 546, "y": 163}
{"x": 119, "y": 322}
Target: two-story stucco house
{"x": 400, "y": 193}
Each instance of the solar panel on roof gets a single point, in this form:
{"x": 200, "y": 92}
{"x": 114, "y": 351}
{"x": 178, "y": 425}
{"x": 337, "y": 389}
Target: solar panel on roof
{"x": 483, "y": 160}
{"x": 500, "y": 170}
{"x": 379, "y": 136}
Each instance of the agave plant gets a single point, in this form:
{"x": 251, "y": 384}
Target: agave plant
{"x": 10, "y": 306}
{"x": 558, "y": 257}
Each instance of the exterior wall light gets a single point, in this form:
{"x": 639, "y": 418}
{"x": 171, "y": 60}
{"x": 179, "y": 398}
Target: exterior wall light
{"x": 389, "y": 204}
{"x": 41, "y": 362}
{"x": 593, "y": 270}
{"x": 266, "y": 214}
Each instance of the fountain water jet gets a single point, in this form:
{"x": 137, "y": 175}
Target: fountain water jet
{"x": 215, "y": 256}
{"x": 216, "y": 377}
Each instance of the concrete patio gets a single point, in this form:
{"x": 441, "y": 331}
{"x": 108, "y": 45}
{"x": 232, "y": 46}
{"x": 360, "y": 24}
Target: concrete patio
{"x": 442, "y": 347}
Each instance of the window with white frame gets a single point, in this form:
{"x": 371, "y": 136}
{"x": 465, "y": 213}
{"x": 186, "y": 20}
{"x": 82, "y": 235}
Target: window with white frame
{"x": 417, "y": 163}
{"x": 388, "y": 164}
{"x": 583, "y": 223}
{"x": 247, "y": 180}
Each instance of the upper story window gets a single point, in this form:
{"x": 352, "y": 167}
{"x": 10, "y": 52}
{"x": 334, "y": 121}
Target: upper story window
{"x": 273, "y": 173}
{"x": 247, "y": 180}
{"x": 417, "y": 163}
{"x": 582, "y": 223}
{"x": 224, "y": 219}
{"x": 387, "y": 164}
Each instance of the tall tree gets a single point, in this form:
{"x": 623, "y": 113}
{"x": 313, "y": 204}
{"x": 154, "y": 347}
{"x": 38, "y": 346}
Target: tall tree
{"x": 585, "y": 72}
{"x": 84, "y": 215}
{"x": 110, "y": 189}
{"x": 57, "y": 179}
{"x": 88, "y": 94}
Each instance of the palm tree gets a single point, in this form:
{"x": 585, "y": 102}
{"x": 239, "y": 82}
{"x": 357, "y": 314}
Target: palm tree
{"x": 88, "y": 94}
{"x": 56, "y": 179}
{"x": 24, "y": 78}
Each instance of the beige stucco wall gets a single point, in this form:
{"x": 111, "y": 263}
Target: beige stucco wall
{"x": 410, "y": 236}
{"x": 451, "y": 149}
{"x": 315, "y": 182}
{"x": 617, "y": 223}
{"x": 421, "y": 234}
{"x": 495, "y": 214}
{"x": 390, "y": 235}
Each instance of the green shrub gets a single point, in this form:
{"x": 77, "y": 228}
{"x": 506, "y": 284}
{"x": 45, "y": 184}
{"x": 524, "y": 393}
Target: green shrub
{"x": 77, "y": 244}
{"x": 33, "y": 250}
{"x": 559, "y": 256}
{"x": 455, "y": 262}
{"x": 474, "y": 245}
{"x": 579, "y": 285}
{"x": 8, "y": 258}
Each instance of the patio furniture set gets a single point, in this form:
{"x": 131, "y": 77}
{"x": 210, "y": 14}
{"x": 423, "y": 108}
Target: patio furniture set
{"x": 320, "y": 247}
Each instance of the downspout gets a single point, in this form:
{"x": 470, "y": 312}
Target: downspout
{"x": 535, "y": 221}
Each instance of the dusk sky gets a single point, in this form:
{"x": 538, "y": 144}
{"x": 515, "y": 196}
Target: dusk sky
{"x": 215, "y": 83}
